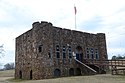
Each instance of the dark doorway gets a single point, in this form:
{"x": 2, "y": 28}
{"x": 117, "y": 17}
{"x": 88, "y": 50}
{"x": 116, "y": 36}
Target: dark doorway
{"x": 20, "y": 74}
{"x": 31, "y": 75}
{"x": 78, "y": 71}
{"x": 103, "y": 72}
{"x": 57, "y": 72}
{"x": 71, "y": 72}
{"x": 79, "y": 53}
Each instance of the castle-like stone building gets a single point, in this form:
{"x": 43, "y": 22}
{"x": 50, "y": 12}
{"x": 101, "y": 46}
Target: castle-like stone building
{"x": 47, "y": 51}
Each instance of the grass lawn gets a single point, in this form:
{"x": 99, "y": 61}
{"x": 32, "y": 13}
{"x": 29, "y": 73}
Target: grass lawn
{"x": 8, "y": 77}
{"x": 7, "y": 73}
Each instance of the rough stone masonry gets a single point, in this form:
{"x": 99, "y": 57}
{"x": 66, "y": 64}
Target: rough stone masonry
{"x": 47, "y": 51}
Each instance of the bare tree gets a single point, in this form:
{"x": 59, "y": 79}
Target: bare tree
{"x": 1, "y": 51}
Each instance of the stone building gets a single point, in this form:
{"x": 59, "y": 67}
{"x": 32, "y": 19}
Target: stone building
{"x": 47, "y": 51}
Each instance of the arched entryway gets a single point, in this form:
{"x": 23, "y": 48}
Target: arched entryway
{"x": 20, "y": 74}
{"x": 79, "y": 53}
{"x": 57, "y": 72}
{"x": 31, "y": 77}
{"x": 78, "y": 71}
{"x": 71, "y": 72}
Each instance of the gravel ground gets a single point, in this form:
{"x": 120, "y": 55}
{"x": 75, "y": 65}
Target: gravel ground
{"x": 105, "y": 78}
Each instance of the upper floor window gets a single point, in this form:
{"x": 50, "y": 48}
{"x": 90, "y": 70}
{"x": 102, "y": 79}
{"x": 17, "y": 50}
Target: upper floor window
{"x": 96, "y": 54}
{"x": 40, "y": 48}
{"x": 57, "y": 47}
{"x": 87, "y": 53}
{"x": 50, "y": 53}
{"x": 57, "y": 51}
{"x": 64, "y": 52}
{"x": 70, "y": 52}
{"x": 92, "y": 53}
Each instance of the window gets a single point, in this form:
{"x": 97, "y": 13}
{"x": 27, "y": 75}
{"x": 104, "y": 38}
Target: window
{"x": 40, "y": 48}
{"x": 57, "y": 51}
{"x": 57, "y": 72}
{"x": 87, "y": 56}
{"x": 70, "y": 52}
{"x": 57, "y": 55}
{"x": 96, "y": 54}
{"x": 50, "y": 54}
{"x": 64, "y": 52}
{"x": 87, "y": 53}
{"x": 57, "y": 48}
{"x": 92, "y": 53}
{"x": 64, "y": 61}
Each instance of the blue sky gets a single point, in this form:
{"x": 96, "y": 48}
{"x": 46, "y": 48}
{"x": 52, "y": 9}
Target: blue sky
{"x": 94, "y": 16}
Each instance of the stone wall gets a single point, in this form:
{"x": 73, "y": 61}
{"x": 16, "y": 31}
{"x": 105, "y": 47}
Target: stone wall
{"x": 45, "y": 51}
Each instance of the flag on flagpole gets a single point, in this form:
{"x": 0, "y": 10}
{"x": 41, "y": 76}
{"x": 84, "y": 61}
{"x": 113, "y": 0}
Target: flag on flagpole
{"x": 75, "y": 9}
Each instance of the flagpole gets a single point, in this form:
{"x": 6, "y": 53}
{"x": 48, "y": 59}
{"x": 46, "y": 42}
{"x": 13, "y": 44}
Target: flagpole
{"x": 75, "y": 21}
{"x": 75, "y": 15}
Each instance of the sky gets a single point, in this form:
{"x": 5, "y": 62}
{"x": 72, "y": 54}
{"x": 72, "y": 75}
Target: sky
{"x": 93, "y": 16}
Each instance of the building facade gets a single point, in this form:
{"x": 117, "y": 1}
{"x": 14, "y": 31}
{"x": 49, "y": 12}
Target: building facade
{"x": 47, "y": 51}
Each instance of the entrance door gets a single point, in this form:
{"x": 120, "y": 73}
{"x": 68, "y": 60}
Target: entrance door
{"x": 31, "y": 75}
{"x": 57, "y": 72}
{"x": 78, "y": 71}
{"x": 71, "y": 72}
{"x": 79, "y": 53}
{"x": 20, "y": 74}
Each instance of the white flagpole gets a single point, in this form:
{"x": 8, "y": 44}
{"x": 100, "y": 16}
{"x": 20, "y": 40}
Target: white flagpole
{"x": 75, "y": 21}
{"x": 75, "y": 15}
